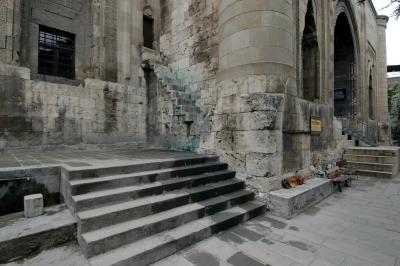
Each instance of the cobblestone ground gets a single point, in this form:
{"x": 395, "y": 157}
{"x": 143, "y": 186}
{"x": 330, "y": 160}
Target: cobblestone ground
{"x": 360, "y": 226}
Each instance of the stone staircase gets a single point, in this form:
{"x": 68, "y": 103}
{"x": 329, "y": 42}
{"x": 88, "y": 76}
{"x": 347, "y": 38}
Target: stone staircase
{"x": 373, "y": 161}
{"x": 356, "y": 129}
{"x": 139, "y": 214}
{"x": 184, "y": 101}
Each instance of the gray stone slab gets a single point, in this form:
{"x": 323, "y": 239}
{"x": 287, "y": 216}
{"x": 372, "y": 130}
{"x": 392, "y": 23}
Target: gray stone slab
{"x": 288, "y": 203}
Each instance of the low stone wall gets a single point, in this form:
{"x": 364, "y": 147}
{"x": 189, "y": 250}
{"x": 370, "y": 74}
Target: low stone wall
{"x": 37, "y": 113}
{"x": 288, "y": 203}
{"x": 20, "y": 237}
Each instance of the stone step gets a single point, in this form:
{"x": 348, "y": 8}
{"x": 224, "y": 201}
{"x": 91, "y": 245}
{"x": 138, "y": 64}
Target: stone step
{"x": 121, "y": 212}
{"x": 152, "y": 249}
{"x": 106, "y": 197}
{"x": 87, "y": 185}
{"x": 135, "y": 168}
{"x": 371, "y": 166}
{"x": 115, "y": 236}
{"x": 370, "y": 151}
{"x": 375, "y": 173}
{"x": 369, "y": 158}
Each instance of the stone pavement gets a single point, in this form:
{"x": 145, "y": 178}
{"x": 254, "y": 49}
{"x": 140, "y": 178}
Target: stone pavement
{"x": 17, "y": 159}
{"x": 360, "y": 226}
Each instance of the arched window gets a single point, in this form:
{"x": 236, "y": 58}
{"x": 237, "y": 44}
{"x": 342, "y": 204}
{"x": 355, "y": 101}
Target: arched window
{"x": 310, "y": 57}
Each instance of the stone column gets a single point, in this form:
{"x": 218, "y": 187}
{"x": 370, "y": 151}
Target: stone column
{"x": 382, "y": 115}
{"x": 10, "y": 17}
{"x": 255, "y": 38}
{"x": 255, "y": 73}
{"x": 124, "y": 22}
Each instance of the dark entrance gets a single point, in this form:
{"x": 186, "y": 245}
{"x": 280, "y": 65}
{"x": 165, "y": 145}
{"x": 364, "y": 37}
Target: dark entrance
{"x": 310, "y": 54}
{"x": 345, "y": 69}
{"x": 148, "y": 32}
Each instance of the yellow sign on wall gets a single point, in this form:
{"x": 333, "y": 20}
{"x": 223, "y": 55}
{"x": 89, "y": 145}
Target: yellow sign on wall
{"x": 316, "y": 125}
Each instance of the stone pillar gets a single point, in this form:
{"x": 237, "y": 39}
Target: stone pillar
{"x": 255, "y": 38}
{"x": 10, "y": 31}
{"x": 124, "y": 22}
{"x": 255, "y": 73}
{"x": 382, "y": 115}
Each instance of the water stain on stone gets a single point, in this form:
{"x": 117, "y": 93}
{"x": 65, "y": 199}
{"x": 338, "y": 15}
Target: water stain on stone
{"x": 294, "y": 228}
{"x": 267, "y": 241}
{"x": 230, "y": 238}
{"x": 274, "y": 223}
{"x": 312, "y": 211}
{"x": 77, "y": 164}
{"x": 246, "y": 233}
{"x": 241, "y": 259}
{"x": 201, "y": 258}
{"x": 325, "y": 204}
{"x": 259, "y": 228}
{"x": 298, "y": 244}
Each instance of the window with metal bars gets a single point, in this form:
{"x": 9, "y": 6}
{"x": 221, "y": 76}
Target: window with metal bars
{"x": 56, "y": 53}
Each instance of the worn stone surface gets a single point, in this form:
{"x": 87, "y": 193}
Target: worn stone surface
{"x": 33, "y": 205}
{"x": 223, "y": 77}
{"x": 356, "y": 227}
{"x": 30, "y": 171}
{"x": 37, "y": 113}
{"x": 287, "y": 203}
{"x": 21, "y": 237}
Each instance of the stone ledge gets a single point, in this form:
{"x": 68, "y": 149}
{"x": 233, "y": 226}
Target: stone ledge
{"x": 287, "y": 203}
{"x": 20, "y": 237}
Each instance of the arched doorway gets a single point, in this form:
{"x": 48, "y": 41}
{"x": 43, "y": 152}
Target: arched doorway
{"x": 345, "y": 89}
{"x": 310, "y": 56}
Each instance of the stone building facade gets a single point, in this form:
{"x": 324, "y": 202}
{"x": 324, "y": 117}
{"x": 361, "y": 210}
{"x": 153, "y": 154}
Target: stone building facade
{"x": 239, "y": 78}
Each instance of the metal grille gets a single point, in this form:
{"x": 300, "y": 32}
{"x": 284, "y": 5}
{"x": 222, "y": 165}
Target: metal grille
{"x": 56, "y": 53}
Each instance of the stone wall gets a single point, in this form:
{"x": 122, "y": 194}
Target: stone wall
{"x": 75, "y": 16}
{"x": 190, "y": 44}
{"x": 37, "y": 113}
{"x": 10, "y": 18}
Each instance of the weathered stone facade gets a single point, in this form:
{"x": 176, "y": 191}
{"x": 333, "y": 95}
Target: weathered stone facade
{"x": 237, "y": 78}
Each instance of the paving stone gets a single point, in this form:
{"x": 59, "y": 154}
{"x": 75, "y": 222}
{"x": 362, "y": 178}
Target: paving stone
{"x": 333, "y": 256}
{"x": 353, "y": 261}
{"x": 368, "y": 254}
{"x": 320, "y": 262}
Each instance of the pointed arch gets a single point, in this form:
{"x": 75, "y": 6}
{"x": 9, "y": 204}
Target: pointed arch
{"x": 310, "y": 56}
{"x": 346, "y": 67}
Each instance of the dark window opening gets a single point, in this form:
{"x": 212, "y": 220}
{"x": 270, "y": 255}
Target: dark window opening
{"x": 371, "y": 97}
{"x": 310, "y": 57}
{"x": 56, "y": 53}
{"x": 148, "y": 32}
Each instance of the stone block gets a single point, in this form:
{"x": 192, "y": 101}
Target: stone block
{"x": 262, "y": 141}
{"x": 287, "y": 203}
{"x": 33, "y": 205}
{"x": 263, "y": 165}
